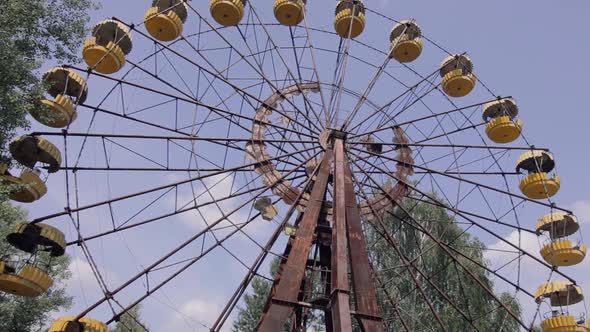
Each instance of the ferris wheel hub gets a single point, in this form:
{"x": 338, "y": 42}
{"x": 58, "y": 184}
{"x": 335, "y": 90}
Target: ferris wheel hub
{"x": 328, "y": 136}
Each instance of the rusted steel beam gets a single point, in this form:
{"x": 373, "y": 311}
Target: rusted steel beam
{"x": 340, "y": 290}
{"x": 369, "y": 314}
{"x": 292, "y": 273}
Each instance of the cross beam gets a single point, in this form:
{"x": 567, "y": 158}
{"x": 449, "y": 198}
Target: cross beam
{"x": 347, "y": 251}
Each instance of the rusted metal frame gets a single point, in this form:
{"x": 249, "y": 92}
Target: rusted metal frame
{"x": 383, "y": 110}
{"x": 426, "y": 117}
{"x": 483, "y": 266}
{"x": 462, "y": 215}
{"x": 115, "y": 114}
{"x": 277, "y": 50}
{"x": 339, "y": 299}
{"x": 133, "y": 152}
{"x": 475, "y": 215}
{"x": 523, "y": 148}
{"x": 315, "y": 69}
{"x": 292, "y": 272}
{"x": 390, "y": 300}
{"x": 223, "y": 101}
{"x": 271, "y": 130}
{"x": 381, "y": 229}
{"x": 357, "y": 41}
{"x": 464, "y": 180}
{"x": 171, "y": 138}
{"x": 68, "y": 210}
{"x": 149, "y": 292}
{"x": 260, "y": 259}
{"x": 230, "y": 305}
{"x": 146, "y": 169}
{"x": 340, "y": 72}
{"x": 452, "y": 132}
{"x": 406, "y": 263}
{"x": 214, "y": 109}
{"x": 160, "y": 217}
{"x": 468, "y": 120}
{"x": 450, "y": 246}
{"x": 176, "y": 250}
{"x": 444, "y": 248}
{"x": 191, "y": 101}
{"x": 298, "y": 59}
{"x": 368, "y": 90}
{"x": 307, "y": 288}
{"x": 414, "y": 93}
{"x": 216, "y": 75}
{"x": 127, "y": 117}
{"x": 85, "y": 251}
{"x": 380, "y": 13}
{"x": 392, "y": 214}
{"x": 325, "y": 277}
{"x": 193, "y": 154}
{"x": 260, "y": 63}
{"x": 362, "y": 278}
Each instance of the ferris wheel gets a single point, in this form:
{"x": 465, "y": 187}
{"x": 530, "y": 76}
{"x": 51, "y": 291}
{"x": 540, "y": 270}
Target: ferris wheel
{"x": 206, "y": 140}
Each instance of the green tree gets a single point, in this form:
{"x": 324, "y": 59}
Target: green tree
{"x": 248, "y": 317}
{"x": 19, "y": 314}
{"x": 430, "y": 259}
{"x": 441, "y": 269}
{"x": 130, "y": 321}
{"x": 33, "y": 32}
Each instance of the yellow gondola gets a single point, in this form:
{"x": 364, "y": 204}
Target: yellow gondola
{"x": 165, "y": 19}
{"x": 538, "y": 184}
{"x": 227, "y": 12}
{"x": 30, "y": 281}
{"x": 266, "y": 208}
{"x": 69, "y": 324}
{"x": 457, "y": 75}
{"x": 557, "y": 224}
{"x": 500, "y": 116}
{"x": 106, "y": 49}
{"x": 560, "y": 251}
{"x": 67, "y": 89}
{"x": 350, "y": 18}
{"x": 406, "y": 41}
{"x": 563, "y": 323}
{"x": 563, "y": 253}
{"x": 29, "y": 237}
{"x": 30, "y": 150}
{"x": 559, "y": 293}
{"x": 289, "y": 12}
{"x": 27, "y": 188}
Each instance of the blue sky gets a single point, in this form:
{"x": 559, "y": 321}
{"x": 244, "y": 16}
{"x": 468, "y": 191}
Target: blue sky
{"x": 534, "y": 51}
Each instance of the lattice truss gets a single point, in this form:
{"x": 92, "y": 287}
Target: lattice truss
{"x": 205, "y": 139}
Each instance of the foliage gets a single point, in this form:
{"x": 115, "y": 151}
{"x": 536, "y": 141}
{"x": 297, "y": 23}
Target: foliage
{"x": 130, "y": 321}
{"x": 33, "y": 32}
{"x": 21, "y": 314}
{"x": 248, "y": 317}
{"x": 434, "y": 262}
{"x": 442, "y": 271}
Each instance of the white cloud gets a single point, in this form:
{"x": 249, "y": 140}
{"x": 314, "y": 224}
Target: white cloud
{"x": 210, "y": 189}
{"x": 82, "y": 275}
{"x": 501, "y": 252}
